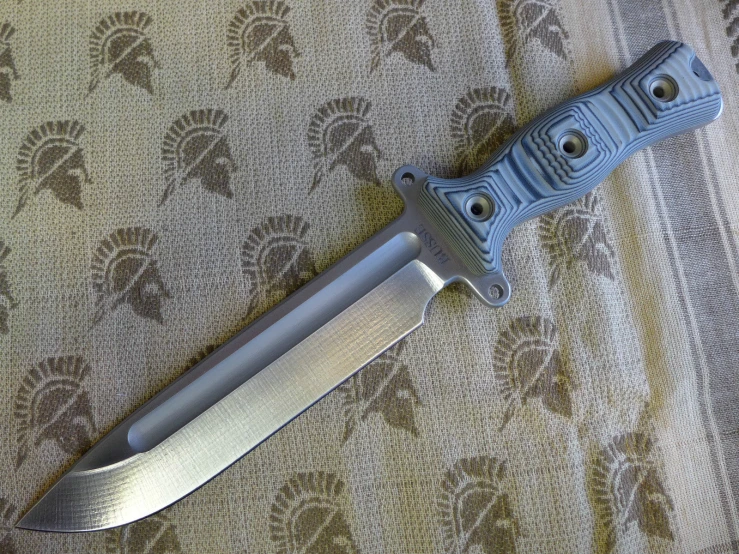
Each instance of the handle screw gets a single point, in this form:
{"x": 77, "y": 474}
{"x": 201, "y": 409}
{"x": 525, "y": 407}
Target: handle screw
{"x": 663, "y": 89}
{"x": 572, "y": 144}
{"x": 479, "y": 207}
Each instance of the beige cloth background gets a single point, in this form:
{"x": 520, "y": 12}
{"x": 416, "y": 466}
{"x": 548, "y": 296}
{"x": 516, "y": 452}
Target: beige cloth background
{"x": 163, "y": 182}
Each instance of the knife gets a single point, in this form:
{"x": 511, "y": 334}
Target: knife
{"x": 451, "y": 230}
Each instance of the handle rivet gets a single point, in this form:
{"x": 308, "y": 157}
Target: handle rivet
{"x": 479, "y": 207}
{"x": 663, "y": 88}
{"x": 572, "y": 144}
{"x": 408, "y": 178}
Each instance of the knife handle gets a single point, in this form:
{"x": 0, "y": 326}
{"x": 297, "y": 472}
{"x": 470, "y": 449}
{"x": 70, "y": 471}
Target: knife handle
{"x": 564, "y": 153}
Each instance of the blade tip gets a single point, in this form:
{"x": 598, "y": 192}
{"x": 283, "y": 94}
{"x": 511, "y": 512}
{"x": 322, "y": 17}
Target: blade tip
{"x": 30, "y": 523}
{"x": 37, "y": 518}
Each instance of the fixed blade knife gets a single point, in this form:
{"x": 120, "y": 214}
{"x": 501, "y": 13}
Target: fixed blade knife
{"x": 451, "y": 230}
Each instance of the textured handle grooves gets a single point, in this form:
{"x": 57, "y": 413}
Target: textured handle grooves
{"x": 666, "y": 92}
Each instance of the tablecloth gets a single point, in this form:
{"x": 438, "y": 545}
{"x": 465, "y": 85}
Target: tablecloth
{"x": 171, "y": 169}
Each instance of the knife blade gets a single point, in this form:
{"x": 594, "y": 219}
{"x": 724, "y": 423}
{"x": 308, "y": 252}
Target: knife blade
{"x": 451, "y": 230}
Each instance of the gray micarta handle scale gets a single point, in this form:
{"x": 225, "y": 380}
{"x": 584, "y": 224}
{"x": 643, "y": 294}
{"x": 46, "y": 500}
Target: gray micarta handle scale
{"x": 566, "y": 152}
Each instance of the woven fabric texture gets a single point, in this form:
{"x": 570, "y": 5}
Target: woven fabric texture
{"x": 171, "y": 169}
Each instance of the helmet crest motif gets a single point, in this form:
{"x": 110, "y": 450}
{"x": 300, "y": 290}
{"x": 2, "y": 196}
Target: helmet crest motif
{"x": 200, "y": 355}
{"x": 475, "y": 509}
{"x": 276, "y": 260}
{"x": 124, "y": 271}
{"x": 340, "y": 134}
{"x": 627, "y": 489}
{"x": 730, "y": 12}
{"x": 52, "y": 159}
{"x": 195, "y": 148}
{"x": 260, "y": 32}
{"x": 7, "y": 523}
{"x": 528, "y": 364}
{"x": 119, "y": 45}
{"x": 399, "y": 26}
{"x": 307, "y": 516}
{"x": 52, "y": 406}
{"x": 8, "y": 71}
{"x": 384, "y": 387}
{"x": 154, "y": 535}
{"x": 577, "y": 233}
{"x": 524, "y": 20}
{"x": 7, "y": 302}
{"x": 481, "y": 122}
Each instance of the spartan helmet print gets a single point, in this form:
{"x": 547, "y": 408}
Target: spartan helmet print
{"x": 627, "y": 488}
{"x": 524, "y": 20}
{"x": 200, "y": 355}
{"x": 154, "y": 535}
{"x": 730, "y": 11}
{"x": 527, "y": 364}
{"x": 577, "y": 233}
{"x": 196, "y": 148}
{"x": 276, "y": 260}
{"x": 7, "y": 302}
{"x": 399, "y": 26}
{"x": 8, "y": 72}
{"x": 52, "y": 405}
{"x": 341, "y": 134}
{"x": 474, "y": 508}
{"x": 52, "y": 159}
{"x": 119, "y": 45}
{"x": 124, "y": 271}
{"x": 481, "y": 122}
{"x": 7, "y": 523}
{"x": 260, "y": 32}
{"x": 384, "y": 387}
{"x": 307, "y": 517}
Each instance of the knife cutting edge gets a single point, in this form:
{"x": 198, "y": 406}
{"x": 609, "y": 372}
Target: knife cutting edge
{"x": 451, "y": 230}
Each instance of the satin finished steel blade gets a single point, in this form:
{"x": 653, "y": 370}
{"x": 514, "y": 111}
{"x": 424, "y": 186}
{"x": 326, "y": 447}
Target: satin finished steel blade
{"x": 451, "y": 230}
